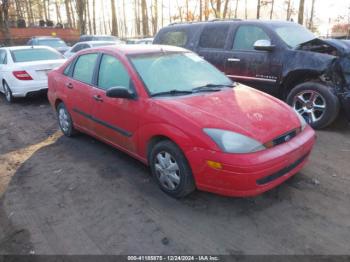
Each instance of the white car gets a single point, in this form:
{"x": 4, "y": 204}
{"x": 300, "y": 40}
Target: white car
{"x": 85, "y": 45}
{"x": 24, "y": 69}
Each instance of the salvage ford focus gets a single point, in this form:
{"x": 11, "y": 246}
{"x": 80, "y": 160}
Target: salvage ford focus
{"x": 175, "y": 112}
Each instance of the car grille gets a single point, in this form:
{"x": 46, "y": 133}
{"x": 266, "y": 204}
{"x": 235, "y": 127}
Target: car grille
{"x": 283, "y": 138}
{"x": 282, "y": 172}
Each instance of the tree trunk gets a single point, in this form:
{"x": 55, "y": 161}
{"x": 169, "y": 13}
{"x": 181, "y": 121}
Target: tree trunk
{"x": 236, "y": 9}
{"x": 124, "y": 18}
{"x": 145, "y": 28}
{"x": 301, "y": 12}
{"x": 137, "y": 17}
{"x": 114, "y": 19}
{"x": 73, "y": 14}
{"x": 311, "y": 22}
{"x": 289, "y": 13}
{"x": 4, "y": 18}
{"x": 216, "y": 8}
{"x": 206, "y": 10}
{"x": 155, "y": 17}
{"x": 246, "y": 10}
{"x": 258, "y": 9}
{"x": 200, "y": 10}
{"x": 87, "y": 12}
{"x": 69, "y": 17}
{"x": 58, "y": 14}
{"x": 94, "y": 16}
{"x": 225, "y": 9}
{"x": 272, "y": 6}
{"x": 80, "y": 7}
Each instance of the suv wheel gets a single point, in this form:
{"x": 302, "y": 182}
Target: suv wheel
{"x": 65, "y": 121}
{"x": 170, "y": 168}
{"x": 315, "y": 102}
{"x": 7, "y": 92}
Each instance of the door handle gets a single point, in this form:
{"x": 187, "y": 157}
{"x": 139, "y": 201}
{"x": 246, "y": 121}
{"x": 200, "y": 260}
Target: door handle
{"x": 98, "y": 98}
{"x": 69, "y": 85}
{"x": 233, "y": 59}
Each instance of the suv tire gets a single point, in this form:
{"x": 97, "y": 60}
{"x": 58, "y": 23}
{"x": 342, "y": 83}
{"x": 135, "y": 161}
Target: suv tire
{"x": 315, "y": 102}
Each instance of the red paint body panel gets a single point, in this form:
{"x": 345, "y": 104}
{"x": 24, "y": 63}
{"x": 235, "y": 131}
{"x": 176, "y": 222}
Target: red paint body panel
{"x": 182, "y": 119}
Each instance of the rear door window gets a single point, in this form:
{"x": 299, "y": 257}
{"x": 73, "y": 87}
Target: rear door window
{"x": 84, "y": 68}
{"x": 176, "y": 38}
{"x": 214, "y": 37}
{"x": 247, "y": 35}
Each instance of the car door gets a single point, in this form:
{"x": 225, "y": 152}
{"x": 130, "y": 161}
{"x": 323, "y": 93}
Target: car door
{"x": 211, "y": 45}
{"x": 246, "y": 65}
{"x": 115, "y": 119}
{"x": 78, "y": 90}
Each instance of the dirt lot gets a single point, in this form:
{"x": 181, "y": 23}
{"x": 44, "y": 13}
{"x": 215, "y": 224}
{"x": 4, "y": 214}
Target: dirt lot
{"x": 79, "y": 196}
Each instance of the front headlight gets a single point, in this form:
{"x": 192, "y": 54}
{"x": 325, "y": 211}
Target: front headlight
{"x": 231, "y": 142}
{"x": 302, "y": 121}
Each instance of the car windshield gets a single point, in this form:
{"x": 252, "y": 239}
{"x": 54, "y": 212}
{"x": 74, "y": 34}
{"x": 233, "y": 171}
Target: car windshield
{"x": 35, "y": 54}
{"x": 177, "y": 73}
{"x": 55, "y": 43}
{"x": 294, "y": 35}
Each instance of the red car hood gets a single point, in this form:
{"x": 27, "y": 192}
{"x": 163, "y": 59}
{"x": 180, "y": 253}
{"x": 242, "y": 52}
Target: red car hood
{"x": 242, "y": 109}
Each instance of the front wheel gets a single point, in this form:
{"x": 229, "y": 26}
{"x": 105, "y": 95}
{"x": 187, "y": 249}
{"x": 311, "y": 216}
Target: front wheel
{"x": 315, "y": 102}
{"x": 171, "y": 169}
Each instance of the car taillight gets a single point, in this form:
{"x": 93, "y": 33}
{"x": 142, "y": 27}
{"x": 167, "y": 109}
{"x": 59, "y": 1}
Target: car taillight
{"x": 22, "y": 75}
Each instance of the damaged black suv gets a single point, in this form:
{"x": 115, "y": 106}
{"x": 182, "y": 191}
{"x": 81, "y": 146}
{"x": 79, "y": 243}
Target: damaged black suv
{"x": 281, "y": 58}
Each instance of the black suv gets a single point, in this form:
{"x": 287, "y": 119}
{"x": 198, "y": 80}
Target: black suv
{"x": 281, "y": 58}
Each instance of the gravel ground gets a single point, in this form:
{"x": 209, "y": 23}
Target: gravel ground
{"x": 79, "y": 196}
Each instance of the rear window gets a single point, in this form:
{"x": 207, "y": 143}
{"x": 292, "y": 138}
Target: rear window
{"x": 214, "y": 37}
{"x": 55, "y": 43}
{"x": 84, "y": 68}
{"x": 35, "y": 54}
{"x": 176, "y": 38}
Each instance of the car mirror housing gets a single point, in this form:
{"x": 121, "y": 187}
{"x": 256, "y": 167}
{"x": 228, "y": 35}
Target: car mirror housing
{"x": 263, "y": 45}
{"x": 120, "y": 92}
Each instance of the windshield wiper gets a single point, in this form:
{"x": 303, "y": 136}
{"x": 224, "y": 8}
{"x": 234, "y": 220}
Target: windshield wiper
{"x": 172, "y": 93}
{"x": 211, "y": 88}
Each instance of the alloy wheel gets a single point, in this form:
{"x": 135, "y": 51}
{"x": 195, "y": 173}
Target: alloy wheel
{"x": 310, "y": 104}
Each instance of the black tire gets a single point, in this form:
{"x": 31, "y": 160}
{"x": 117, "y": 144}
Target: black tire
{"x": 186, "y": 183}
{"x": 323, "y": 97}
{"x": 67, "y": 128}
{"x": 8, "y": 93}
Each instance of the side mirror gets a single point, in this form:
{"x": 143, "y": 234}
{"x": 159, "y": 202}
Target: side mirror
{"x": 263, "y": 45}
{"x": 120, "y": 92}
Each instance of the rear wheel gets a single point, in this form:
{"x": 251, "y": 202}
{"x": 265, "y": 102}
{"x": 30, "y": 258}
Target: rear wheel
{"x": 65, "y": 121}
{"x": 8, "y": 93}
{"x": 171, "y": 169}
{"x": 315, "y": 102}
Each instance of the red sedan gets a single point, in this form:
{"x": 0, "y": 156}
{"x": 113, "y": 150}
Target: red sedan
{"x": 178, "y": 114}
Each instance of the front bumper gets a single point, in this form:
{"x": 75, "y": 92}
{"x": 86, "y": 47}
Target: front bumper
{"x": 251, "y": 174}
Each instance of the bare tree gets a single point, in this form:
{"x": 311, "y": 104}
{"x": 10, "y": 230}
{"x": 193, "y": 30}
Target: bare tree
{"x": 68, "y": 14}
{"x": 271, "y": 11}
{"x": 216, "y": 7}
{"x": 301, "y": 12}
{"x": 311, "y": 22}
{"x": 206, "y": 10}
{"x": 94, "y": 15}
{"x": 236, "y": 9}
{"x": 155, "y": 17}
{"x": 246, "y": 10}
{"x": 258, "y": 6}
{"x": 80, "y": 8}
{"x": 225, "y": 9}
{"x": 145, "y": 28}
{"x": 289, "y": 9}
{"x": 4, "y": 19}
{"x": 115, "y": 30}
